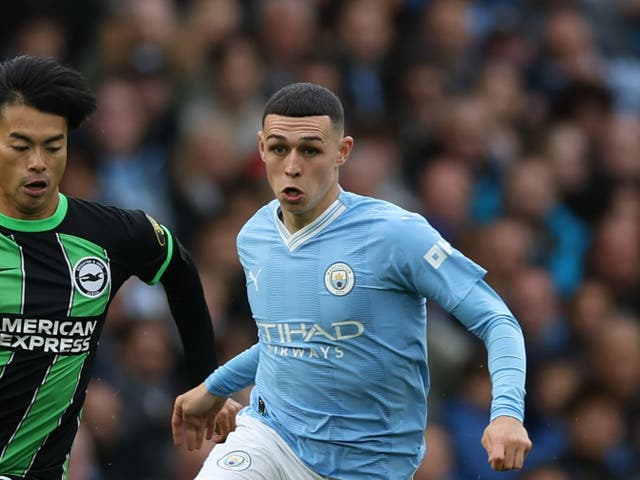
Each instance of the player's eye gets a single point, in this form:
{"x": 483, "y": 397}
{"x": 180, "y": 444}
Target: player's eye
{"x": 279, "y": 149}
{"x": 20, "y": 148}
{"x": 53, "y": 149}
{"x": 310, "y": 151}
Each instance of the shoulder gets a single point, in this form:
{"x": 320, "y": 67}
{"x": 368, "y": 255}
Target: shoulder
{"x": 95, "y": 218}
{"x": 261, "y": 220}
{"x": 386, "y": 218}
{"x": 102, "y": 213}
{"x": 377, "y": 208}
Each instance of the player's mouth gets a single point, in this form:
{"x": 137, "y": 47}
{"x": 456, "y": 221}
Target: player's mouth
{"x": 292, "y": 194}
{"x": 36, "y": 188}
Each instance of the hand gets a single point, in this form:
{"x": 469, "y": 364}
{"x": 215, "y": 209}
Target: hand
{"x": 226, "y": 420}
{"x": 196, "y": 415}
{"x": 507, "y": 443}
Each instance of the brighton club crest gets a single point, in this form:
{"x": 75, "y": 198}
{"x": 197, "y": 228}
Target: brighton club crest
{"x": 339, "y": 279}
{"x": 91, "y": 276}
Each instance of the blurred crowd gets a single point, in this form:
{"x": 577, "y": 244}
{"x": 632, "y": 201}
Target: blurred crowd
{"x": 513, "y": 126}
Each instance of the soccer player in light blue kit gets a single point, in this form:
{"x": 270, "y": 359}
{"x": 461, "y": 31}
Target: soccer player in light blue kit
{"x": 338, "y": 286}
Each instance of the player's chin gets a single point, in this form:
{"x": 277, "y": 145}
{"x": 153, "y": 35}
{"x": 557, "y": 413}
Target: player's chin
{"x": 295, "y": 207}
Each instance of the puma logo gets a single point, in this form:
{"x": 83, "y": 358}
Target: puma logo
{"x": 253, "y": 278}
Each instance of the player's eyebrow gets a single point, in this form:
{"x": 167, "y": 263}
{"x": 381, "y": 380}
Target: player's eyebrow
{"x": 309, "y": 138}
{"x": 26, "y": 138}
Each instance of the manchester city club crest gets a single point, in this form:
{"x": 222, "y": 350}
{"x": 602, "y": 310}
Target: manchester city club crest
{"x": 236, "y": 460}
{"x": 339, "y": 279}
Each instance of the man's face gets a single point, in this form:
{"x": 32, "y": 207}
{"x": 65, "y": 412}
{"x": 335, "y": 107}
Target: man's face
{"x": 33, "y": 156}
{"x": 302, "y": 158}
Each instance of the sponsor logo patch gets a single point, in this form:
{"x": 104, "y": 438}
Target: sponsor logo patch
{"x": 91, "y": 276}
{"x": 237, "y": 460}
{"x": 339, "y": 279}
{"x": 161, "y": 235}
{"x": 438, "y": 253}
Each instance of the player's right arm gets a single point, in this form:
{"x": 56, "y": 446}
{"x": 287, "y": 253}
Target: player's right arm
{"x": 197, "y": 414}
{"x": 202, "y": 412}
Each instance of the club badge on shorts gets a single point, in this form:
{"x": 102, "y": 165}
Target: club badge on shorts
{"x": 339, "y": 279}
{"x": 236, "y": 460}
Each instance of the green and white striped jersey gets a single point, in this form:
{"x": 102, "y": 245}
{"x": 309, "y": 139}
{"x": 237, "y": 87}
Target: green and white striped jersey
{"x": 57, "y": 278}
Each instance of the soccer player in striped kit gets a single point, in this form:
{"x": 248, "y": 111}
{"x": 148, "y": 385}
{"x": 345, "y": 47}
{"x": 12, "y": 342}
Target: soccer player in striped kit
{"x": 62, "y": 260}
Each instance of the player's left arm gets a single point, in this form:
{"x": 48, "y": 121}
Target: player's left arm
{"x": 419, "y": 259}
{"x": 484, "y": 313}
{"x": 189, "y": 309}
{"x": 507, "y": 443}
{"x": 155, "y": 255}
{"x": 188, "y": 306}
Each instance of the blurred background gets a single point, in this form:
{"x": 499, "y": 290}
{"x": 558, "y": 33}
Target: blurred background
{"x": 513, "y": 126}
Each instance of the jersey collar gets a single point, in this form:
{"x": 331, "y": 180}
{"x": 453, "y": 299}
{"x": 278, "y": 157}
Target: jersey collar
{"x": 40, "y": 225}
{"x": 294, "y": 240}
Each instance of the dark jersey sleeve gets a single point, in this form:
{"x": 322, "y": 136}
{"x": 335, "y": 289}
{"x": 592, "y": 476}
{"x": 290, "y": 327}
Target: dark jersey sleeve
{"x": 150, "y": 248}
{"x": 191, "y": 314}
{"x": 156, "y": 255}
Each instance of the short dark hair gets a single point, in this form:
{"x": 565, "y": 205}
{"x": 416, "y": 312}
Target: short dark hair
{"x": 306, "y": 100}
{"x": 44, "y": 84}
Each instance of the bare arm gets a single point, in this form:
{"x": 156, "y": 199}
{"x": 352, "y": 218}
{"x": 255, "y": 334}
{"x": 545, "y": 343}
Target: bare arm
{"x": 197, "y": 414}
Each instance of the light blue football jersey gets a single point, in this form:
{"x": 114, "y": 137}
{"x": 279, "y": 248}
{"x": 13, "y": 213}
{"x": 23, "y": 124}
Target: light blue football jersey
{"x": 341, "y": 314}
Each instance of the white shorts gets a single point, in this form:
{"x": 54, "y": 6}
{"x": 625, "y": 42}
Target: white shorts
{"x": 254, "y": 451}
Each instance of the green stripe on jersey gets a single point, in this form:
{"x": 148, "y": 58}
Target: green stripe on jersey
{"x": 167, "y": 260}
{"x": 11, "y": 276}
{"x": 43, "y": 416}
{"x": 90, "y": 276}
{"x": 5, "y": 357}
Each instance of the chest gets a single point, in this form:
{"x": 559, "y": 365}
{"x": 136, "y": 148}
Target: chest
{"x": 323, "y": 281}
{"x": 53, "y": 275}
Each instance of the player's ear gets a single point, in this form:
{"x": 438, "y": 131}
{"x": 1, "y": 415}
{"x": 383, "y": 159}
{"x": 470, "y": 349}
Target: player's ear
{"x": 261, "y": 144}
{"x": 346, "y": 145}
